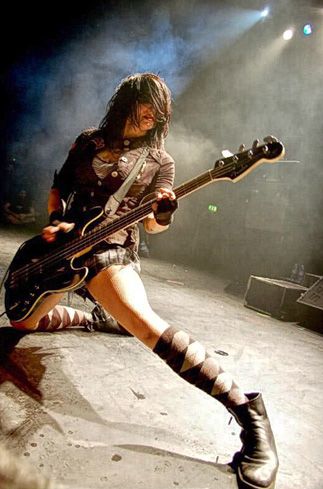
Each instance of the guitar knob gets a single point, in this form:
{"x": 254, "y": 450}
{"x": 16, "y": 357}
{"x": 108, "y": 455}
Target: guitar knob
{"x": 242, "y": 147}
{"x": 270, "y": 139}
{"x": 265, "y": 149}
{"x": 250, "y": 153}
{"x": 255, "y": 143}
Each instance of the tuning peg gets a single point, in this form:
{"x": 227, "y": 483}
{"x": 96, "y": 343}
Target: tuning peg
{"x": 242, "y": 147}
{"x": 255, "y": 143}
{"x": 270, "y": 139}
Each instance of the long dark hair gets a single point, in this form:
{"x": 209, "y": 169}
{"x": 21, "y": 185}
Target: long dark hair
{"x": 133, "y": 90}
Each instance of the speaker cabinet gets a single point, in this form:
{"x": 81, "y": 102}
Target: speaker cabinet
{"x": 274, "y": 297}
{"x": 313, "y": 296}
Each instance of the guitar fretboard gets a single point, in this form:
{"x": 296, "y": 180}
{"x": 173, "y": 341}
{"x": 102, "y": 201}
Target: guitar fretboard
{"x": 231, "y": 168}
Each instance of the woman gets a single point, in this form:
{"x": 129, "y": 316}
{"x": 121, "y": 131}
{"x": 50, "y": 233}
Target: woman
{"x": 138, "y": 117}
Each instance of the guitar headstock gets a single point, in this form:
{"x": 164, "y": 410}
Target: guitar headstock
{"x": 236, "y": 166}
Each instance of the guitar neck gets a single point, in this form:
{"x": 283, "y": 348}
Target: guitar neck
{"x": 106, "y": 228}
{"x": 231, "y": 168}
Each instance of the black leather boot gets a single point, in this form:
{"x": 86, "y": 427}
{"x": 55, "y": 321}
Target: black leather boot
{"x": 257, "y": 463}
{"x": 102, "y": 321}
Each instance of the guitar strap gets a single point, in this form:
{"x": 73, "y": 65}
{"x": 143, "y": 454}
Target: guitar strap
{"x": 114, "y": 200}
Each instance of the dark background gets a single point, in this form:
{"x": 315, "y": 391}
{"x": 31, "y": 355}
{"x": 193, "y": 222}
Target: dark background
{"x": 233, "y": 80}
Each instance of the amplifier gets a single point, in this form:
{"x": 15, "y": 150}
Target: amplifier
{"x": 274, "y": 297}
{"x": 314, "y": 295}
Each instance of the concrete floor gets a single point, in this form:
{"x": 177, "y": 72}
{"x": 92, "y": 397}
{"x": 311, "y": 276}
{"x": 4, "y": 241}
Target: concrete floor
{"x": 96, "y": 411}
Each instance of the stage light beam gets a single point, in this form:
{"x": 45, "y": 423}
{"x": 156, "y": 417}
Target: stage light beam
{"x": 264, "y": 12}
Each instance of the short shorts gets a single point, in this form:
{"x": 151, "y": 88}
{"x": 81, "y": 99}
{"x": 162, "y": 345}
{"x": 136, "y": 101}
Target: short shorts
{"x": 117, "y": 255}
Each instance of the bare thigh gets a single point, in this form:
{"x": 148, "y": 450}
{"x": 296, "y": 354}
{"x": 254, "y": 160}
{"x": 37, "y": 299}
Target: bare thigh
{"x": 46, "y": 305}
{"x": 119, "y": 289}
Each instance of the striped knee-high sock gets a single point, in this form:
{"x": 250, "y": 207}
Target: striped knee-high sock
{"x": 61, "y": 317}
{"x": 189, "y": 359}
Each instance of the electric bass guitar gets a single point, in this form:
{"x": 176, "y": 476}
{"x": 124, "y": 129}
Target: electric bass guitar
{"x": 39, "y": 268}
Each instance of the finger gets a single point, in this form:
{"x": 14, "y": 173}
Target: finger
{"x": 166, "y": 194}
{"x": 49, "y": 237}
{"x": 65, "y": 226}
{"x": 171, "y": 194}
{"x": 50, "y": 230}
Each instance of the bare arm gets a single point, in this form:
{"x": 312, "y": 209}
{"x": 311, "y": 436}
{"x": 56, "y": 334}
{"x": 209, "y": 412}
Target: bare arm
{"x": 151, "y": 226}
{"x": 54, "y": 204}
{"x": 54, "y": 201}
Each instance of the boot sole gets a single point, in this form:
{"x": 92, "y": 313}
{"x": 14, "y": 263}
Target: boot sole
{"x": 242, "y": 484}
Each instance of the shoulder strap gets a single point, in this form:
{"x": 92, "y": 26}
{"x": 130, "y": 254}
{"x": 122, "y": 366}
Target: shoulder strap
{"x": 115, "y": 200}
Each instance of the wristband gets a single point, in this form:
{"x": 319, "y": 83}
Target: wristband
{"x": 165, "y": 210}
{"x": 164, "y": 218}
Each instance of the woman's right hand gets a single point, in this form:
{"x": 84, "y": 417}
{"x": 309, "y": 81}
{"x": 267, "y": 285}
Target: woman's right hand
{"x": 49, "y": 232}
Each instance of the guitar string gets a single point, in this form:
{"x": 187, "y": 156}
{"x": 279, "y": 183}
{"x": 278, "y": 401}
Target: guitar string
{"x": 87, "y": 238}
{"x": 216, "y": 172}
{"x": 100, "y": 230}
{"x": 139, "y": 213}
{"x": 73, "y": 246}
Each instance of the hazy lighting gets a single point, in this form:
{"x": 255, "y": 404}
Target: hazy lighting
{"x": 265, "y": 12}
{"x": 288, "y": 34}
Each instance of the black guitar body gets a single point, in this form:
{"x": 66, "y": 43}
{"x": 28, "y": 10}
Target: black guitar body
{"x": 39, "y": 269}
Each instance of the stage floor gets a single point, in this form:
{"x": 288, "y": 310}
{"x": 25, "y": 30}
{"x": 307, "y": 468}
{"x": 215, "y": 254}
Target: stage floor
{"x": 94, "y": 410}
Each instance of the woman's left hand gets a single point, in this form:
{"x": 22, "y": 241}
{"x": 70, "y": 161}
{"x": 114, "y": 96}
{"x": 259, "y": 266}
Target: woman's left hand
{"x": 165, "y": 206}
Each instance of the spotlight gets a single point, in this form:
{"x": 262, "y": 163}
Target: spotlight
{"x": 307, "y": 30}
{"x": 264, "y": 13}
{"x": 288, "y": 34}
